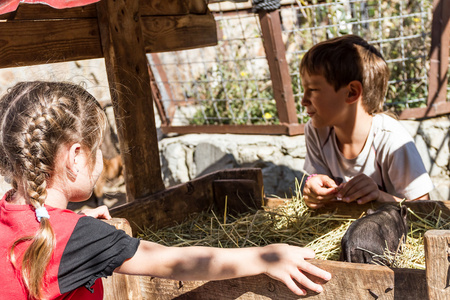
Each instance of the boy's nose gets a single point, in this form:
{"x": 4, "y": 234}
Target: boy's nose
{"x": 304, "y": 101}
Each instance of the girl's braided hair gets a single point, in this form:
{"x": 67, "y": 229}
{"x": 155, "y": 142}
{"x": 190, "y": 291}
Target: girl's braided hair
{"x": 35, "y": 119}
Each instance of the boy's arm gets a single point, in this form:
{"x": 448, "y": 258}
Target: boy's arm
{"x": 280, "y": 261}
{"x": 363, "y": 189}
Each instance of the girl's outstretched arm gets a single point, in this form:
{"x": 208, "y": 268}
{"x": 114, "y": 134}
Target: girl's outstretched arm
{"x": 280, "y": 261}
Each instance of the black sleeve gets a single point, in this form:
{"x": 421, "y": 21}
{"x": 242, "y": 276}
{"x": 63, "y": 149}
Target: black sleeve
{"x": 95, "y": 249}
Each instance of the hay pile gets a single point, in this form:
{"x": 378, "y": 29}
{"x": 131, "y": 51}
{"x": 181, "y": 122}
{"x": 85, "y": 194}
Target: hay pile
{"x": 292, "y": 223}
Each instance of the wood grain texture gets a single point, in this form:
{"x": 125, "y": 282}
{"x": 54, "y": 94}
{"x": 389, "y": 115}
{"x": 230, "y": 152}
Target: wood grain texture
{"x": 119, "y": 286}
{"x": 278, "y": 66}
{"x": 50, "y": 41}
{"x": 147, "y": 8}
{"x": 131, "y": 95}
{"x": 437, "y": 251}
{"x": 349, "y": 281}
{"x": 176, "y": 203}
{"x": 171, "y": 33}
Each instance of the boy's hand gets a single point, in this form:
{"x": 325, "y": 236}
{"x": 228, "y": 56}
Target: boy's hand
{"x": 319, "y": 190}
{"x": 360, "y": 188}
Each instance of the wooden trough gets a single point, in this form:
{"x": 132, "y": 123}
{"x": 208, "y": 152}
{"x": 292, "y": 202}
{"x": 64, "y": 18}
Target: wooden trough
{"x": 243, "y": 187}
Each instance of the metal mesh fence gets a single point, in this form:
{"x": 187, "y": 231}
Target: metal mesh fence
{"x": 225, "y": 84}
{"x": 230, "y": 83}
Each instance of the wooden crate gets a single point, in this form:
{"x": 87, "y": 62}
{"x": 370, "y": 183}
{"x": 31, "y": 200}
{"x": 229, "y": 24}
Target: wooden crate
{"x": 244, "y": 189}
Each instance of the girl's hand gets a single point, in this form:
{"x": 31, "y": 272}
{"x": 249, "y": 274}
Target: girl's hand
{"x": 279, "y": 261}
{"x": 319, "y": 190}
{"x": 287, "y": 264}
{"x": 101, "y": 212}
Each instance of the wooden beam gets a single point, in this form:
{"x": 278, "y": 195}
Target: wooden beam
{"x": 349, "y": 281}
{"x": 437, "y": 253}
{"x": 277, "y": 129}
{"x": 27, "y": 11}
{"x": 172, "y": 33}
{"x": 440, "y": 32}
{"x": 51, "y": 41}
{"x": 120, "y": 286}
{"x": 43, "y": 42}
{"x": 434, "y": 110}
{"x": 278, "y": 66}
{"x": 129, "y": 83}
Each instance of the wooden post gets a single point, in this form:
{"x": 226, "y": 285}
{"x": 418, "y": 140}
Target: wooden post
{"x": 437, "y": 250}
{"x": 440, "y": 32}
{"x": 120, "y": 286}
{"x": 278, "y": 66}
{"x": 129, "y": 83}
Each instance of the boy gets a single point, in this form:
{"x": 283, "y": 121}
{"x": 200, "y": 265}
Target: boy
{"x": 354, "y": 152}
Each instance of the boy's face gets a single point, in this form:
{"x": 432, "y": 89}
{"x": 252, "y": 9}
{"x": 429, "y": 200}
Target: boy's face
{"x": 323, "y": 104}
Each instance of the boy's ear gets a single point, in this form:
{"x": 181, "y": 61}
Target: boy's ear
{"x": 354, "y": 91}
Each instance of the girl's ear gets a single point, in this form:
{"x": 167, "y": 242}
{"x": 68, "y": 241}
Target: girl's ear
{"x": 354, "y": 91}
{"x": 72, "y": 163}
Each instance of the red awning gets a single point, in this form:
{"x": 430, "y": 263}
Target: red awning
{"x": 7, "y": 6}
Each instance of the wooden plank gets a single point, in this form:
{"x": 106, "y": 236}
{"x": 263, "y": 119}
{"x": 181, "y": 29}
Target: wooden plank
{"x": 157, "y": 97}
{"x": 438, "y": 74}
{"x": 120, "y": 286}
{"x": 437, "y": 253}
{"x": 66, "y": 40}
{"x": 48, "y": 41}
{"x": 237, "y": 195}
{"x": 173, "y": 33}
{"x": 129, "y": 83}
{"x": 164, "y": 7}
{"x": 147, "y": 8}
{"x": 434, "y": 110}
{"x": 278, "y": 129}
{"x": 176, "y": 203}
{"x": 198, "y": 6}
{"x": 278, "y": 66}
{"x": 165, "y": 118}
{"x": 349, "y": 281}
{"x": 44, "y": 12}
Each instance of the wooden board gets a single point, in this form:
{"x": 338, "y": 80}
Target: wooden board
{"x": 49, "y": 41}
{"x": 437, "y": 256}
{"x": 147, "y": 8}
{"x": 176, "y": 203}
{"x": 131, "y": 96}
{"x": 119, "y": 286}
{"x": 173, "y": 33}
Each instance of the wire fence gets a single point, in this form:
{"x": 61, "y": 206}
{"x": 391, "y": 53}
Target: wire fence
{"x": 230, "y": 83}
{"x": 225, "y": 84}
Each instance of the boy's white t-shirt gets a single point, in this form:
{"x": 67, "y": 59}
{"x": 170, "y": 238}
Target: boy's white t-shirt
{"x": 389, "y": 157}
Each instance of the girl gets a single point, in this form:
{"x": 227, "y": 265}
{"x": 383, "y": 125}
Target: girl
{"x": 50, "y": 134}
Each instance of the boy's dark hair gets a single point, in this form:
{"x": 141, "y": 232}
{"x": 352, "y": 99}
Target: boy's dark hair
{"x": 347, "y": 58}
